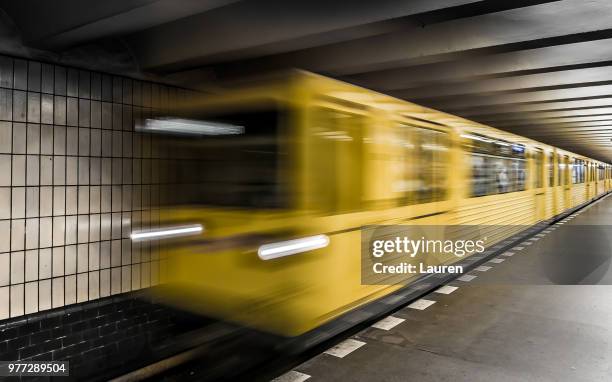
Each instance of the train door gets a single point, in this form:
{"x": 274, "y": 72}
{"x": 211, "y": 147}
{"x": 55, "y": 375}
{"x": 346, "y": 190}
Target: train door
{"x": 538, "y": 184}
{"x": 602, "y": 178}
{"x": 592, "y": 180}
{"x": 552, "y": 190}
{"x": 595, "y": 179}
{"x": 335, "y": 192}
{"x": 566, "y": 187}
{"x": 598, "y": 179}
{"x": 588, "y": 180}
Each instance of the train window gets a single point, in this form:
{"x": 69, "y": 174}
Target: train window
{"x": 432, "y": 165}
{"x": 423, "y": 167}
{"x": 588, "y": 171}
{"x": 563, "y": 178}
{"x": 402, "y": 164}
{"x": 538, "y": 181}
{"x": 601, "y": 171}
{"x": 497, "y": 166}
{"x": 551, "y": 167}
{"x": 236, "y": 159}
{"x": 336, "y": 152}
{"x": 578, "y": 171}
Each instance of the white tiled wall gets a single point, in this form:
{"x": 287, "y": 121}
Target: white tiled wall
{"x": 75, "y": 179}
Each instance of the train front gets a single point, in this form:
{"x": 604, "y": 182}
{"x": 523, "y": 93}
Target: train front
{"x": 227, "y": 215}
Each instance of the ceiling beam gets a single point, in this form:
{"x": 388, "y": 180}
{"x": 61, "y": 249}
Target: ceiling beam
{"x": 452, "y": 103}
{"x": 265, "y": 27}
{"x": 531, "y": 61}
{"x": 532, "y": 82}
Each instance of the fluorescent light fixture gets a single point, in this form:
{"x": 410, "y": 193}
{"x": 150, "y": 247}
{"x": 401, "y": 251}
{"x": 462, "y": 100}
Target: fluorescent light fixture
{"x": 331, "y": 133}
{"x": 476, "y": 137}
{"x": 502, "y": 143}
{"x": 483, "y": 139}
{"x": 167, "y": 232}
{"x": 336, "y": 135}
{"x": 189, "y": 127}
{"x": 292, "y": 247}
{"x": 433, "y": 147}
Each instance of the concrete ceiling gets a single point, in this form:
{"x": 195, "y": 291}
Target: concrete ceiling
{"x": 538, "y": 68}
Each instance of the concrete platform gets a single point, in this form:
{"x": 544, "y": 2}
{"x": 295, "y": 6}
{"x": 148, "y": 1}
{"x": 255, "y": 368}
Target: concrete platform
{"x": 512, "y": 322}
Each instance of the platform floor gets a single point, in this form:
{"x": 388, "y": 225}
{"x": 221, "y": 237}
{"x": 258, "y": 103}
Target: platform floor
{"x": 513, "y": 322}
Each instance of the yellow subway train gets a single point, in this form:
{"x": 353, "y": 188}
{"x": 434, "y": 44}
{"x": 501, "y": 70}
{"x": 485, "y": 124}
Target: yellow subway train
{"x": 266, "y": 187}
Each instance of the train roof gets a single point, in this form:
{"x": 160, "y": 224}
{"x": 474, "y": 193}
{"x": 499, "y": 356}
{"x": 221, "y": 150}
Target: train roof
{"x": 297, "y": 80}
{"x": 379, "y": 100}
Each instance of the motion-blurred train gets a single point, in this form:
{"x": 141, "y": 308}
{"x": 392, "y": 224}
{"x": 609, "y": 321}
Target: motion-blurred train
{"x": 269, "y": 184}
